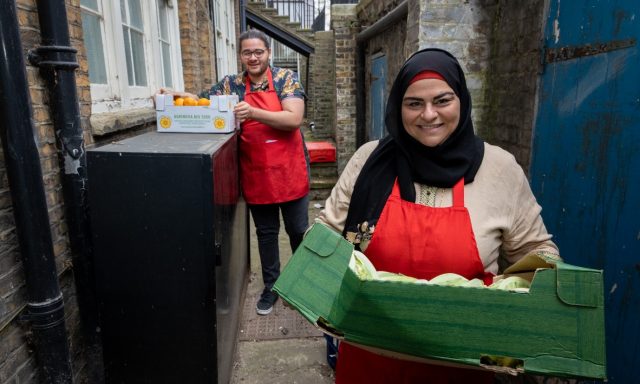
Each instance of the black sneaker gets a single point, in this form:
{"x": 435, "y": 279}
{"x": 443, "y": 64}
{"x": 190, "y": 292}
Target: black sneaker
{"x": 265, "y": 304}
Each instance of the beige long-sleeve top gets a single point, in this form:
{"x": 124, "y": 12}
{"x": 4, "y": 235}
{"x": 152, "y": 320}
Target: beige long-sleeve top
{"x": 504, "y": 213}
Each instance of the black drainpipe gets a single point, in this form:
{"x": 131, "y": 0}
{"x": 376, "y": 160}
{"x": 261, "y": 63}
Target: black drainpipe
{"x": 57, "y": 62}
{"x": 45, "y": 306}
{"x": 362, "y": 38}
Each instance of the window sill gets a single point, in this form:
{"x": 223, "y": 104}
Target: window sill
{"x": 109, "y": 122}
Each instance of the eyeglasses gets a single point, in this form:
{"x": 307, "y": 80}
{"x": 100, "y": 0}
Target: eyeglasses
{"x": 258, "y": 53}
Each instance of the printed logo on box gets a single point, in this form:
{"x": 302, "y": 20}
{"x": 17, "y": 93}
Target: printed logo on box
{"x": 219, "y": 123}
{"x": 165, "y": 122}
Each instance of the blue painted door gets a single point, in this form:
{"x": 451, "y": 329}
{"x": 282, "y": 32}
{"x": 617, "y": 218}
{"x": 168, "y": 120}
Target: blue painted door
{"x": 377, "y": 97}
{"x": 585, "y": 168}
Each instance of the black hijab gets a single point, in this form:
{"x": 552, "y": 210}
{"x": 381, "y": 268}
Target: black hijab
{"x": 401, "y": 156}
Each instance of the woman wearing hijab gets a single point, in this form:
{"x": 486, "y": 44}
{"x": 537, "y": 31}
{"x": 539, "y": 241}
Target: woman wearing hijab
{"x": 432, "y": 198}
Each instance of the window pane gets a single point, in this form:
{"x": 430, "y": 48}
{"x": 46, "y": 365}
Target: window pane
{"x": 135, "y": 14}
{"x": 166, "y": 65}
{"x": 92, "y": 4}
{"x": 137, "y": 47}
{"x": 162, "y": 20}
{"x": 95, "y": 50}
{"x": 217, "y": 10}
{"x": 227, "y": 21}
{"x": 123, "y": 10}
{"x": 127, "y": 50}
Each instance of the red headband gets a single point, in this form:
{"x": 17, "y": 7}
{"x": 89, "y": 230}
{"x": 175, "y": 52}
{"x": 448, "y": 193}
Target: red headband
{"x": 426, "y": 75}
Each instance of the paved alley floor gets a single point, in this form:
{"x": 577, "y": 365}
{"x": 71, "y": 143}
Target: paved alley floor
{"x": 282, "y": 347}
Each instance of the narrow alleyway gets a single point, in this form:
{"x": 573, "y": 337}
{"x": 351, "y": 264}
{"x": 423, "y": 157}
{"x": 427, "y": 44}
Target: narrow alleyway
{"x": 282, "y": 347}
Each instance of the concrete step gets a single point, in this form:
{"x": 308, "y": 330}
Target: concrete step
{"x": 324, "y": 177}
{"x": 324, "y": 170}
{"x": 282, "y": 19}
{"x": 270, "y": 12}
{"x": 308, "y": 33}
{"x": 323, "y": 184}
{"x": 293, "y": 25}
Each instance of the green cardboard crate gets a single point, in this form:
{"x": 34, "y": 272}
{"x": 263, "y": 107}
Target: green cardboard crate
{"x": 556, "y": 329}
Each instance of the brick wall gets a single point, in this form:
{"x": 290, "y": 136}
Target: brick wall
{"x": 512, "y": 77}
{"x": 322, "y": 106}
{"x": 17, "y": 360}
{"x": 197, "y": 43}
{"x": 345, "y": 25}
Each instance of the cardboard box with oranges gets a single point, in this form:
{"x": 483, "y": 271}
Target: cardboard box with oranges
{"x": 216, "y": 117}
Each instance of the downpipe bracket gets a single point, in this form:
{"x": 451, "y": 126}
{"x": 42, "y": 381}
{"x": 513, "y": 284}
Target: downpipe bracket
{"x": 44, "y": 315}
{"x": 72, "y": 142}
{"x": 53, "y": 57}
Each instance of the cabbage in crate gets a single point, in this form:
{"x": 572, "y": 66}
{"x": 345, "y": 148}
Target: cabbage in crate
{"x": 365, "y": 270}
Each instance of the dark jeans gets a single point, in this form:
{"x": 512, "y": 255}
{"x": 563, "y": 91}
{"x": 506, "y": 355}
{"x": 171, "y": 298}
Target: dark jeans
{"x": 295, "y": 215}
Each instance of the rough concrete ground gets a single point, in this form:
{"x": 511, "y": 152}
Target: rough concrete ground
{"x": 281, "y": 347}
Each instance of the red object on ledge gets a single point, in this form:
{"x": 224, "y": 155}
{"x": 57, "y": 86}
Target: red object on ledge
{"x": 321, "y": 152}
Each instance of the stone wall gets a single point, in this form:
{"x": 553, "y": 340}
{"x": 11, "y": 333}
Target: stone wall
{"x": 462, "y": 27}
{"x": 17, "y": 356}
{"x": 498, "y": 45}
{"x": 512, "y": 77}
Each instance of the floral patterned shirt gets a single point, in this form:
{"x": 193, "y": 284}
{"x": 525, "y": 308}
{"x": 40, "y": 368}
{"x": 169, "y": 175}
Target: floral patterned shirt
{"x": 285, "y": 81}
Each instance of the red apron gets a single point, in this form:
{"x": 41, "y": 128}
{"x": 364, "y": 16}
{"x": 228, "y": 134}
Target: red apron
{"x": 431, "y": 241}
{"x": 273, "y": 168}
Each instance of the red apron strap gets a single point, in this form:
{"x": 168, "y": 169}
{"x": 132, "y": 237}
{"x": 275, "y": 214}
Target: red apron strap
{"x": 458, "y": 193}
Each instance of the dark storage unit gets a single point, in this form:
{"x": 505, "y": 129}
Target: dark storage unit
{"x": 170, "y": 232}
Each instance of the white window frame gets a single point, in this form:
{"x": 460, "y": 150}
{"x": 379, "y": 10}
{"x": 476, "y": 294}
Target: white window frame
{"x": 117, "y": 94}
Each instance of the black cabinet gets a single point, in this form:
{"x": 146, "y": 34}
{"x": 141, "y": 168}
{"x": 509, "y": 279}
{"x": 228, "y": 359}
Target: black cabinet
{"x": 170, "y": 234}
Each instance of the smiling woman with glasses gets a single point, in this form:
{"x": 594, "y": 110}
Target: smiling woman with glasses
{"x": 274, "y": 169}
